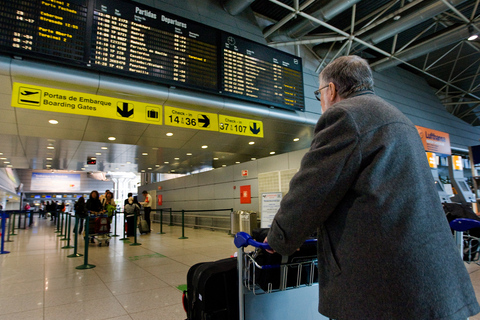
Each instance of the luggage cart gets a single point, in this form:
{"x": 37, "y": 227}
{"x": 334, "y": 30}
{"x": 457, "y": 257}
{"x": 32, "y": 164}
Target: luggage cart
{"x": 285, "y": 300}
{"x": 468, "y": 245}
{"x": 100, "y": 227}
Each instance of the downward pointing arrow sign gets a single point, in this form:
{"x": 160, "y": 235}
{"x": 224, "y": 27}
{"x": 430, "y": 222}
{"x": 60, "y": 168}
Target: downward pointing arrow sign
{"x": 124, "y": 112}
{"x": 255, "y": 130}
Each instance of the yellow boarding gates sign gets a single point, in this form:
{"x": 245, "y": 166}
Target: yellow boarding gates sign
{"x": 64, "y": 101}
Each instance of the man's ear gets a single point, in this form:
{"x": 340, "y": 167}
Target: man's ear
{"x": 332, "y": 93}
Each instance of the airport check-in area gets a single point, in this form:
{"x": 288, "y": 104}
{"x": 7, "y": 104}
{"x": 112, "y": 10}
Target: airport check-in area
{"x": 209, "y": 106}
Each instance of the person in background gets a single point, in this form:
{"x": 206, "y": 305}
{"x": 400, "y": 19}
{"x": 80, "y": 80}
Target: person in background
{"x": 147, "y": 207}
{"x": 385, "y": 250}
{"x": 109, "y": 205}
{"x": 93, "y": 203}
{"x": 101, "y": 197}
{"x": 130, "y": 209}
{"x": 80, "y": 213}
{"x": 42, "y": 210}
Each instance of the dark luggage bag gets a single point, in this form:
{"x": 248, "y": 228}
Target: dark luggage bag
{"x": 143, "y": 225}
{"x": 212, "y": 291}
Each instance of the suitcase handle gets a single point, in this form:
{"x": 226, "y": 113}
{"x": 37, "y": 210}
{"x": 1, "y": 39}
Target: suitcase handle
{"x": 243, "y": 239}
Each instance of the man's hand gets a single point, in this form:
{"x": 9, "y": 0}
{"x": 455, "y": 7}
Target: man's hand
{"x": 268, "y": 250}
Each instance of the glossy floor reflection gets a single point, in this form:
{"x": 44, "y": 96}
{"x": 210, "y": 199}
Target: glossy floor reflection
{"x": 39, "y": 281}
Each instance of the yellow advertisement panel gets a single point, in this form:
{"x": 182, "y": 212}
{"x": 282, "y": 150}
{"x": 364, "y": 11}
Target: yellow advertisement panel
{"x": 240, "y": 126}
{"x": 191, "y": 119}
{"x": 64, "y": 101}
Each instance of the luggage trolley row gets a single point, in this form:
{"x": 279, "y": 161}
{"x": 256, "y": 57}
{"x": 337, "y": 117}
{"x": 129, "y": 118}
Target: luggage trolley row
{"x": 255, "y": 285}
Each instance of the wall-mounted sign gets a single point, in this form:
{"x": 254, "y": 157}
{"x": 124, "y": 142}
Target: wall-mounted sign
{"x": 270, "y": 205}
{"x": 55, "y": 182}
{"x": 240, "y": 126}
{"x": 245, "y": 194}
{"x": 435, "y": 141}
{"x": 191, "y": 119}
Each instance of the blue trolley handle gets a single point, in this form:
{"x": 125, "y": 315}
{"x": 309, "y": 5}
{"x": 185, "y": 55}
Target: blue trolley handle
{"x": 243, "y": 239}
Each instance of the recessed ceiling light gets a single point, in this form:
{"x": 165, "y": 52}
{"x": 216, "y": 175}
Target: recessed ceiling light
{"x": 251, "y": 142}
{"x": 93, "y": 158}
{"x": 104, "y": 148}
{"x": 215, "y": 158}
{"x": 166, "y": 162}
{"x": 83, "y": 168}
{"x": 253, "y": 159}
{"x": 172, "y": 170}
{"x": 3, "y": 158}
{"x": 144, "y": 154}
{"x": 189, "y": 154}
{"x": 472, "y": 37}
{"x": 237, "y": 162}
{"x": 48, "y": 165}
{"x": 53, "y": 121}
{"x": 272, "y": 152}
{"x": 204, "y": 147}
{"x": 176, "y": 158}
{"x": 143, "y": 171}
{"x": 49, "y": 158}
{"x": 149, "y": 168}
{"x": 112, "y": 138}
{"x": 6, "y": 162}
{"x": 1, "y": 153}
{"x": 224, "y": 165}
{"x": 128, "y": 162}
{"x": 296, "y": 139}
{"x": 397, "y": 17}
{"x": 51, "y": 147}
{"x": 98, "y": 153}
{"x": 169, "y": 134}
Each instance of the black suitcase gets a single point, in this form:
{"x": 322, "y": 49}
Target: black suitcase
{"x": 212, "y": 291}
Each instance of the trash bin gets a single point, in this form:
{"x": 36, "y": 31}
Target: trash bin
{"x": 243, "y": 220}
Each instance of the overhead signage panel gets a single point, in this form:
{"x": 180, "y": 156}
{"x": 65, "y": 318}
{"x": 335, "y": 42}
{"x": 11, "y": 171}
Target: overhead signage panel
{"x": 64, "y": 101}
{"x": 141, "y": 42}
{"x": 240, "y": 126}
{"x": 184, "y": 118}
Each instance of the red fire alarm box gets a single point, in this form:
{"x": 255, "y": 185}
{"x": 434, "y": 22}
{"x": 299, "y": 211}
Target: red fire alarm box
{"x": 245, "y": 194}
{"x": 159, "y": 199}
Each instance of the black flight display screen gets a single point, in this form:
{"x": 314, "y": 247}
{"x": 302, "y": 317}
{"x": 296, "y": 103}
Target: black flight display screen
{"x": 134, "y": 40}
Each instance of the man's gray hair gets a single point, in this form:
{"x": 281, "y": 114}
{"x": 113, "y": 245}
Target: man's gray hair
{"x": 350, "y": 74}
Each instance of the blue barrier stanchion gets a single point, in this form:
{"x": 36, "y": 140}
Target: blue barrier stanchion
{"x": 135, "y": 243}
{"x": 75, "y": 242}
{"x": 183, "y": 226}
{"x": 161, "y": 222}
{"x": 3, "y": 215}
{"x": 85, "y": 264}
{"x": 115, "y": 226}
{"x": 68, "y": 246}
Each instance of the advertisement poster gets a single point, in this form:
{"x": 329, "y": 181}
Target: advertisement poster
{"x": 270, "y": 206}
{"x": 55, "y": 182}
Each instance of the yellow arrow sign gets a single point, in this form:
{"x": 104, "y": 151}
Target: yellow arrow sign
{"x": 64, "y": 101}
{"x": 240, "y": 126}
{"x": 191, "y": 119}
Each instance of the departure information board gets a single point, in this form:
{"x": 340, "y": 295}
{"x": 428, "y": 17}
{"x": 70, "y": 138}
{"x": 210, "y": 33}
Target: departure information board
{"x": 130, "y": 39}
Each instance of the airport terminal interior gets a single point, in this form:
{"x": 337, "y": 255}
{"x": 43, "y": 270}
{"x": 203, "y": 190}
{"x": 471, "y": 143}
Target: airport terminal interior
{"x": 209, "y": 106}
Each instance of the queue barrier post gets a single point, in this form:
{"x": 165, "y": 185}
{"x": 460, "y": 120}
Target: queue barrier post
{"x": 13, "y": 224}
{"x": 85, "y": 264}
{"x": 183, "y": 226}
{"x": 115, "y": 226}
{"x": 171, "y": 218}
{"x": 75, "y": 241}
{"x": 60, "y": 213}
{"x": 124, "y": 231}
{"x": 135, "y": 243}
{"x": 161, "y": 222}
{"x": 68, "y": 246}
{"x": 57, "y": 221}
{"x": 4, "y": 217}
{"x": 8, "y": 227}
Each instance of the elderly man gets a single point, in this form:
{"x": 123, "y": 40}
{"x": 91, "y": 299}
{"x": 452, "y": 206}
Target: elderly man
{"x": 385, "y": 250}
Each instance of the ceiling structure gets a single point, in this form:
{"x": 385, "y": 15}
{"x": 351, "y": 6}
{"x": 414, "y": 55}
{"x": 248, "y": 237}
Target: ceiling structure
{"x": 426, "y": 37}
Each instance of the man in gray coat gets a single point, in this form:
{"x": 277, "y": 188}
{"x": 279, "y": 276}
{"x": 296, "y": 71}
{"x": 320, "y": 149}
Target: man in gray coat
{"x": 385, "y": 250}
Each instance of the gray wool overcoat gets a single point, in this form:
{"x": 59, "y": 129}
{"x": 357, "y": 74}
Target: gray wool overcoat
{"x": 385, "y": 250}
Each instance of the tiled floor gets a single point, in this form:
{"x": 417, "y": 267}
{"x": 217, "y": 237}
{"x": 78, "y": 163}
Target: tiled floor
{"x": 38, "y": 281}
